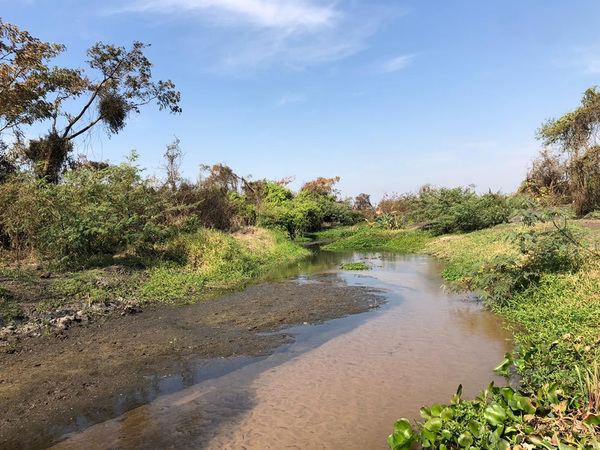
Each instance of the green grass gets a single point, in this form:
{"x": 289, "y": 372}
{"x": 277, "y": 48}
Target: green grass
{"x": 9, "y": 310}
{"x": 556, "y": 305}
{"x": 215, "y": 261}
{"x": 367, "y": 239}
{"x": 355, "y": 266}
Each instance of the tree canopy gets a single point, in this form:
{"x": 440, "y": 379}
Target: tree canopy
{"x": 117, "y": 83}
{"x": 576, "y": 135}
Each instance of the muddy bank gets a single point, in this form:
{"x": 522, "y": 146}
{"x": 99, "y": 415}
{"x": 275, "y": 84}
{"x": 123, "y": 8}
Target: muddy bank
{"x": 82, "y": 372}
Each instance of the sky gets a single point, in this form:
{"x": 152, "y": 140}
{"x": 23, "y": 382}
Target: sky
{"x": 386, "y": 94}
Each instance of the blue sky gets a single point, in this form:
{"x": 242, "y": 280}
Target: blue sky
{"x": 388, "y": 95}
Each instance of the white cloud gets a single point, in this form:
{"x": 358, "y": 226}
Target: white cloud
{"x": 250, "y": 35}
{"x": 590, "y": 59}
{"x": 586, "y": 59}
{"x": 292, "y": 98}
{"x": 280, "y": 14}
{"x": 394, "y": 64}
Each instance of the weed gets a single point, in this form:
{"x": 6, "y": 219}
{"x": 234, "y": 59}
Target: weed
{"x": 355, "y": 266}
{"x": 9, "y": 310}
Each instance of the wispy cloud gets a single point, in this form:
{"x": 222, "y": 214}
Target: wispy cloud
{"x": 394, "y": 64}
{"x": 292, "y": 98}
{"x": 585, "y": 59}
{"x": 250, "y": 35}
{"x": 281, "y": 14}
{"x": 590, "y": 59}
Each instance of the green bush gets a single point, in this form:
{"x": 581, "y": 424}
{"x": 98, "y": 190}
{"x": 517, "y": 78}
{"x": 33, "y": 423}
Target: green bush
{"x": 459, "y": 210}
{"x": 539, "y": 253}
{"x": 90, "y": 213}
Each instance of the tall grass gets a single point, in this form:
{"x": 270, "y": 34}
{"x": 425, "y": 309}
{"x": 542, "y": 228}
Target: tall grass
{"x": 212, "y": 260}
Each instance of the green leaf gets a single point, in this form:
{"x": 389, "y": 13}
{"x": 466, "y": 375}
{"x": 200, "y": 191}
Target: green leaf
{"x": 476, "y": 428}
{"x": 403, "y": 436}
{"x": 427, "y": 438}
{"x": 397, "y": 442}
{"x": 403, "y": 428}
{"x": 436, "y": 409}
{"x": 525, "y": 405}
{"x": 465, "y": 440}
{"x": 425, "y": 412}
{"x": 507, "y": 393}
{"x": 502, "y": 445}
{"x": 447, "y": 413}
{"x": 504, "y": 367}
{"x": 494, "y": 414}
{"x": 434, "y": 425}
{"x": 593, "y": 419}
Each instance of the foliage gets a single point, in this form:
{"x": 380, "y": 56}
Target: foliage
{"x": 538, "y": 253}
{"x": 499, "y": 418}
{"x": 575, "y": 136}
{"x": 459, "y": 210}
{"x": 366, "y": 239}
{"x": 321, "y": 187}
{"x": 9, "y": 310}
{"x": 441, "y": 210}
{"x": 304, "y": 213}
{"x": 25, "y": 78}
{"x": 211, "y": 260}
{"x": 548, "y": 178}
{"x": 355, "y": 266}
{"x": 119, "y": 83}
{"x": 89, "y": 214}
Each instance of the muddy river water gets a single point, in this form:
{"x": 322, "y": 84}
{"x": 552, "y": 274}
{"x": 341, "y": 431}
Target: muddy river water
{"x": 340, "y": 384}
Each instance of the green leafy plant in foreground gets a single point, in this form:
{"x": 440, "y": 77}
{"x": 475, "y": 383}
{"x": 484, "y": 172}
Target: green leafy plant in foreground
{"x": 499, "y": 418}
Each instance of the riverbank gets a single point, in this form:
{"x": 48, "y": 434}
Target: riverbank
{"x": 547, "y": 287}
{"x": 189, "y": 268}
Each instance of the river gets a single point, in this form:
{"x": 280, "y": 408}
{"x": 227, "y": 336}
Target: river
{"x": 340, "y": 384}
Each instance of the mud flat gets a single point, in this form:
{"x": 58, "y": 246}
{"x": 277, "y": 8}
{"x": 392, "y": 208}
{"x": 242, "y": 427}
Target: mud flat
{"x": 90, "y": 373}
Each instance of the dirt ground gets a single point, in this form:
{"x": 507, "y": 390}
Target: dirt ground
{"x": 50, "y": 381}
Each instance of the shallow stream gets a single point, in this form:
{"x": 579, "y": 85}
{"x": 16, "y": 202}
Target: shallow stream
{"x": 341, "y": 384}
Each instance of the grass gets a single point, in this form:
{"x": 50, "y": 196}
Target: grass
{"x": 192, "y": 267}
{"x": 368, "y": 239}
{"x": 355, "y": 266}
{"x": 9, "y": 310}
{"x": 214, "y": 261}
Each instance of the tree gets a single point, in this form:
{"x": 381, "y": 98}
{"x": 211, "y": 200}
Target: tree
{"x": 322, "y": 186}
{"x": 119, "y": 83}
{"x": 362, "y": 202}
{"x": 576, "y": 135}
{"x": 173, "y": 157}
{"x": 25, "y": 78}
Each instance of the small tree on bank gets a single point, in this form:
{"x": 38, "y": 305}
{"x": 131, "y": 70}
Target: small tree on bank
{"x": 576, "y": 135}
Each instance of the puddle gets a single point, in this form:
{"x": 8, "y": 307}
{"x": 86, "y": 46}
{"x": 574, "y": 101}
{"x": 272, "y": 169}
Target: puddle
{"x": 341, "y": 384}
